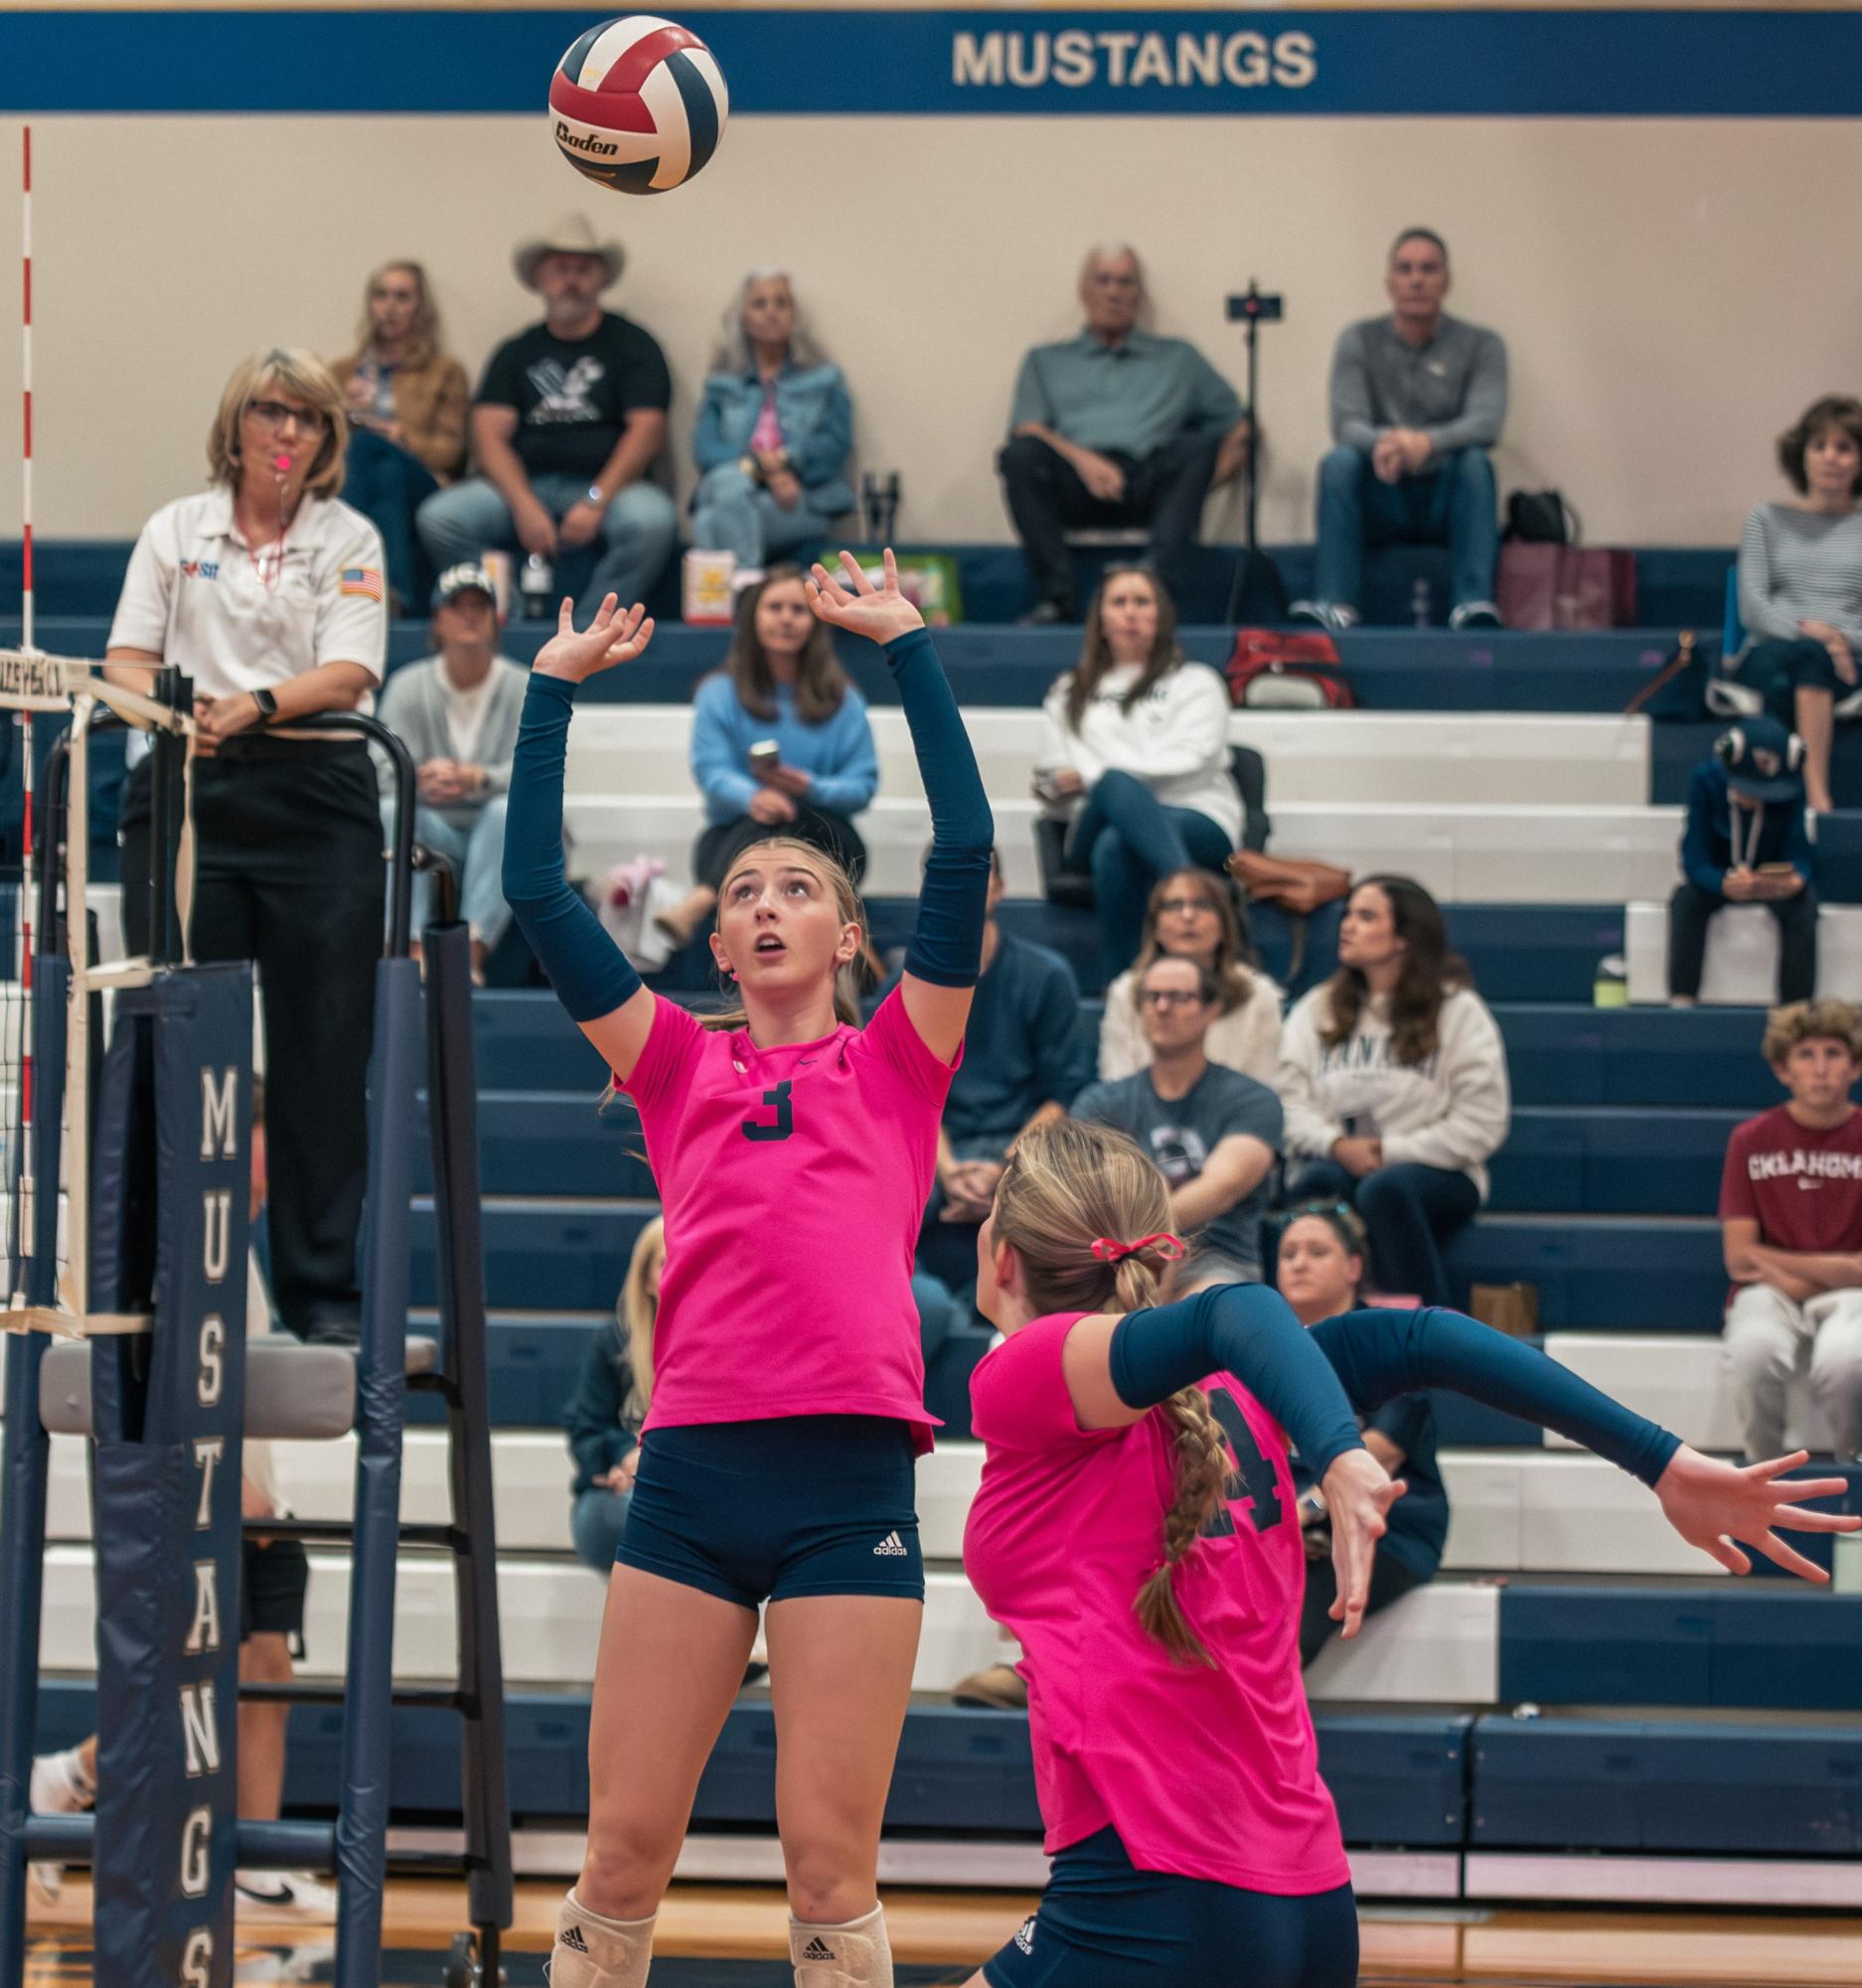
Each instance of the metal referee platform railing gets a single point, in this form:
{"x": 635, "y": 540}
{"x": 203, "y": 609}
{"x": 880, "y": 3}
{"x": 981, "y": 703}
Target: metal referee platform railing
{"x": 294, "y": 1391}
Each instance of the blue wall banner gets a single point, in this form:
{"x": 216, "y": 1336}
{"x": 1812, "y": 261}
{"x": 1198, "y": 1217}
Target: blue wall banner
{"x": 1438, "y": 62}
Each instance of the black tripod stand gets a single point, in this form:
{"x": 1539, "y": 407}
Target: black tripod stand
{"x": 1257, "y": 582}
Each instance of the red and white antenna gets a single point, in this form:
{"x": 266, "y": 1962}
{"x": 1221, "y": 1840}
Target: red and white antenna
{"x": 25, "y": 1213}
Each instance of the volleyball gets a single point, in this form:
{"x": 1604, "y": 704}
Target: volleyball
{"x": 638, "y": 105}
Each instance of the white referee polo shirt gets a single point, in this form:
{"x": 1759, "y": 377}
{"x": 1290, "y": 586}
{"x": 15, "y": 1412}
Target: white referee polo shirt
{"x": 196, "y": 598}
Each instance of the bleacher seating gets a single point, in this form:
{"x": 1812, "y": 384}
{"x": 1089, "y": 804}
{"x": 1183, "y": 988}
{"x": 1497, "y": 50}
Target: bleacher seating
{"x": 1718, "y": 1717}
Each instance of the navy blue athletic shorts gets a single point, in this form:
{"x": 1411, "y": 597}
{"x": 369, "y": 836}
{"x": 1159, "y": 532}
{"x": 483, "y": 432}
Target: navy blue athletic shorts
{"x": 764, "y": 1511}
{"x": 1103, "y": 1923}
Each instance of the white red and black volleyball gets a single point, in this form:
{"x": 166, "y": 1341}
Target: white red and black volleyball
{"x": 638, "y": 105}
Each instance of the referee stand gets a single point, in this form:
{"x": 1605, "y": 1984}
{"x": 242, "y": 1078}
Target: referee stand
{"x": 298, "y": 1392}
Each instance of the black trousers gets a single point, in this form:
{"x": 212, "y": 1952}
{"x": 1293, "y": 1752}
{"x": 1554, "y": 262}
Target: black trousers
{"x": 725, "y": 841}
{"x": 1688, "y": 911}
{"x": 1390, "y": 1581}
{"x": 289, "y": 873}
{"x": 1163, "y": 492}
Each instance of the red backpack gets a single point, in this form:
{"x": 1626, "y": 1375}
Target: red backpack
{"x": 1271, "y": 669}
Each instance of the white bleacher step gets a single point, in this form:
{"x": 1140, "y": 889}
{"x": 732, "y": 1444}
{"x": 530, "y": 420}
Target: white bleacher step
{"x": 1678, "y": 1382}
{"x": 1321, "y": 757}
{"x": 1525, "y": 1511}
{"x": 550, "y": 1609}
{"x": 1740, "y": 969}
{"x": 1522, "y": 854}
{"x": 1439, "y": 1645}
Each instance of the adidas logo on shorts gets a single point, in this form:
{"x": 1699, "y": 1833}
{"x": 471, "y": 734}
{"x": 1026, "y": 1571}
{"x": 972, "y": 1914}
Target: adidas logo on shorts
{"x": 1024, "y": 1938}
{"x": 571, "y": 1937}
{"x": 818, "y": 1949}
{"x": 892, "y": 1544}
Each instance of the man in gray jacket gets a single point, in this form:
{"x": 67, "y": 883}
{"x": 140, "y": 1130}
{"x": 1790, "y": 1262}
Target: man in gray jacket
{"x": 458, "y": 713}
{"x": 1418, "y": 399}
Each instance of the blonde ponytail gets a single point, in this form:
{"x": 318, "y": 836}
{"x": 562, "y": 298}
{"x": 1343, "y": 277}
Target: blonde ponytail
{"x": 1068, "y": 1185}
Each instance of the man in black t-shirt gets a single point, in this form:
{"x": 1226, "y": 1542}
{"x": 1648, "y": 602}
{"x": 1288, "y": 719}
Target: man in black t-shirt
{"x": 567, "y": 421}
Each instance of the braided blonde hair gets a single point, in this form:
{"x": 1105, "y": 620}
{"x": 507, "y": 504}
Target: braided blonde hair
{"x": 1067, "y": 1184}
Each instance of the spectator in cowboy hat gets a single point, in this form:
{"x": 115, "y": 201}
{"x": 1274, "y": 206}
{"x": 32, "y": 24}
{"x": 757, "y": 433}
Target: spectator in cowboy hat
{"x": 567, "y": 422}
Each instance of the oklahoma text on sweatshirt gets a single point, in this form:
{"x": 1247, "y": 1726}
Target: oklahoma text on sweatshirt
{"x": 1450, "y": 1111}
{"x": 1175, "y": 739}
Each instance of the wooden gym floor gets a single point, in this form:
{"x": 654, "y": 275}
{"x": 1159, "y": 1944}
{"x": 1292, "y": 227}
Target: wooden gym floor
{"x": 736, "y": 1937}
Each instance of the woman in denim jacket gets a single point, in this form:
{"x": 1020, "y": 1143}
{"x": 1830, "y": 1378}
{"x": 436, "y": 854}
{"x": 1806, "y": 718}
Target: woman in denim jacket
{"x": 774, "y": 430}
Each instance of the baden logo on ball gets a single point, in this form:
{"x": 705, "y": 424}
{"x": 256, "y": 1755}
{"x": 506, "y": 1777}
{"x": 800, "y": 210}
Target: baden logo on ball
{"x": 638, "y": 105}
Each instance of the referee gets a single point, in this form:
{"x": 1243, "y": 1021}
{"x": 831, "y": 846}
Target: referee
{"x": 268, "y": 593}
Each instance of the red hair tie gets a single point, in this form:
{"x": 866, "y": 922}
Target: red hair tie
{"x": 1168, "y": 1246}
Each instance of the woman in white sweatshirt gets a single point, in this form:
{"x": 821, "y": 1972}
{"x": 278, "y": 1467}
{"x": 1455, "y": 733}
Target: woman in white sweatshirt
{"x": 1137, "y": 748}
{"x": 1393, "y": 1081}
{"x": 1191, "y": 916}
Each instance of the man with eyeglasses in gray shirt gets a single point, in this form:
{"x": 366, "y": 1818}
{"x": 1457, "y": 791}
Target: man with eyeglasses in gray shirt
{"x": 1418, "y": 399}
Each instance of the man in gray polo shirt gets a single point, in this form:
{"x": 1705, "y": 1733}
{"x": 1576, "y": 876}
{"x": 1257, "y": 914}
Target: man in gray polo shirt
{"x": 1418, "y": 399}
{"x": 1115, "y": 427}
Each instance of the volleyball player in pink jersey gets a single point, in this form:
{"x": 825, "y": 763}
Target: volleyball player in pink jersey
{"x": 1136, "y": 1529}
{"x": 793, "y": 1154}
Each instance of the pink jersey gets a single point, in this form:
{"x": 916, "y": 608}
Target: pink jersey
{"x": 793, "y": 1180}
{"x": 1203, "y": 1772}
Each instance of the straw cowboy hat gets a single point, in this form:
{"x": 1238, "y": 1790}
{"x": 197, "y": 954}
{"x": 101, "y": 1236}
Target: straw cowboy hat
{"x": 570, "y": 234}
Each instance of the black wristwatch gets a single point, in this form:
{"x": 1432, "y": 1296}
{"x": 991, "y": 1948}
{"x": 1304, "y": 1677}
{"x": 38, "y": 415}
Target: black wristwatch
{"x": 266, "y": 703}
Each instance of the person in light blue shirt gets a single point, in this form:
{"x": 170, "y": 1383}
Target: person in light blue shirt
{"x": 1115, "y": 427}
{"x": 781, "y": 686}
{"x": 774, "y": 430}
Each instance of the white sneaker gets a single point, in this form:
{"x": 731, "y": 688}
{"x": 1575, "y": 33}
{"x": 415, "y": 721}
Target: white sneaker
{"x": 1324, "y": 614}
{"x": 58, "y": 1787}
{"x": 266, "y": 1896}
{"x": 1475, "y": 614}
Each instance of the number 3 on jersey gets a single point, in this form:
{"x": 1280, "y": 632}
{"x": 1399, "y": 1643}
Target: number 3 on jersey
{"x": 1257, "y": 1479}
{"x": 778, "y": 1102}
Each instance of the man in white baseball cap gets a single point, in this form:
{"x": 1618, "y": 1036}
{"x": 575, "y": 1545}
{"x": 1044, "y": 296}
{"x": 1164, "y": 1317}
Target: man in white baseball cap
{"x": 567, "y": 422}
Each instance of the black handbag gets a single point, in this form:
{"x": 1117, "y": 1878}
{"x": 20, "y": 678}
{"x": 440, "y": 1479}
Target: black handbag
{"x": 1541, "y": 518}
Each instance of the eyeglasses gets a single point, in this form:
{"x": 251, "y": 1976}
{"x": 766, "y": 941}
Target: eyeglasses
{"x": 1183, "y": 906}
{"x": 275, "y": 416}
{"x": 1169, "y": 998}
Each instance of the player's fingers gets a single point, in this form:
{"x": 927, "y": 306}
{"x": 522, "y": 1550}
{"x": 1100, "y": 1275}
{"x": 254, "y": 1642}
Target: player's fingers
{"x": 1800, "y": 1488}
{"x": 856, "y": 574}
{"x": 1725, "y": 1552}
{"x": 891, "y": 571}
{"x": 1788, "y": 1557}
{"x": 1799, "y": 1521}
{"x": 565, "y": 617}
{"x": 1779, "y": 1466}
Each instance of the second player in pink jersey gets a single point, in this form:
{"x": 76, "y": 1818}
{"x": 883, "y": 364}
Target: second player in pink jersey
{"x": 1135, "y": 1530}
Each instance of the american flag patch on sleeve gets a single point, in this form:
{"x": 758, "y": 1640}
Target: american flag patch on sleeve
{"x": 360, "y": 582}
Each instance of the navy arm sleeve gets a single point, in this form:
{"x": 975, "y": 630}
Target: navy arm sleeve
{"x": 593, "y": 976}
{"x": 1381, "y": 1354}
{"x": 1247, "y": 1330}
{"x": 947, "y": 946}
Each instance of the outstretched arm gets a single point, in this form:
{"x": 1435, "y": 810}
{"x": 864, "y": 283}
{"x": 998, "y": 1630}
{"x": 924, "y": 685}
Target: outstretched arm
{"x": 946, "y": 951}
{"x": 1118, "y": 1369}
{"x": 1381, "y": 1354}
{"x": 593, "y": 979}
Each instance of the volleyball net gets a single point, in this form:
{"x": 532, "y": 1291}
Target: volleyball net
{"x": 55, "y": 986}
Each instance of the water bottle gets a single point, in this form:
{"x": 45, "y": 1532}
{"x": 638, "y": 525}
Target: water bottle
{"x": 1419, "y": 602}
{"x": 537, "y": 585}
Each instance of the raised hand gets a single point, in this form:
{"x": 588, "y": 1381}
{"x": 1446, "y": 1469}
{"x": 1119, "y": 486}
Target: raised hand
{"x": 1358, "y": 1492}
{"x": 854, "y": 603}
{"x": 609, "y": 639}
{"x": 1712, "y": 1505}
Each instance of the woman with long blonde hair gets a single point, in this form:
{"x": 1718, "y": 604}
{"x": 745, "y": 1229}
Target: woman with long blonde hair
{"x": 604, "y": 1415}
{"x": 1135, "y": 1530}
{"x": 407, "y": 398}
{"x": 794, "y": 1152}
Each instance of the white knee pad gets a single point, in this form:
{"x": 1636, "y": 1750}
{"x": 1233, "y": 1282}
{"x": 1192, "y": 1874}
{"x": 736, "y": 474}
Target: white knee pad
{"x": 854, "y": 1955}
{"x": 593, "y": 1952}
